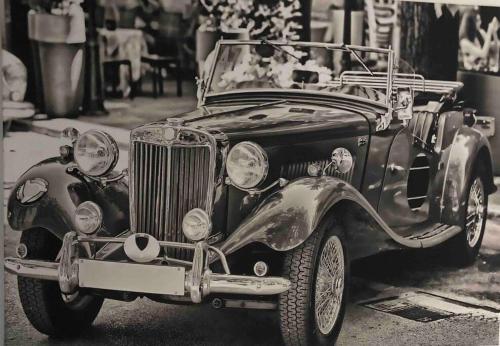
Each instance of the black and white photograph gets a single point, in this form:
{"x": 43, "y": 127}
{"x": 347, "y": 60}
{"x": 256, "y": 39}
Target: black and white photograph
{"x": 250, "y": 172}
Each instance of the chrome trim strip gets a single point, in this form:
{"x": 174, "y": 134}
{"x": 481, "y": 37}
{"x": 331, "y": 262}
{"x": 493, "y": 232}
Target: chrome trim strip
{"x": 168, "y": 187}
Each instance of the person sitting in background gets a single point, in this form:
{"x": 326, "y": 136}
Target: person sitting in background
{"x": 475, "y": 45}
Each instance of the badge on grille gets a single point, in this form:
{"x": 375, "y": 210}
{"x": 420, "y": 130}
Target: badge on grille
{"x": 169, "y": 134}
{"x": 141, "y": 247}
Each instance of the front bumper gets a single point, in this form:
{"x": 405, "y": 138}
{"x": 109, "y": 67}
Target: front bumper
{"x": 194, "y": 279}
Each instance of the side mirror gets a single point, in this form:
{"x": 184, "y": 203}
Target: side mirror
{"x": 404, "y": 104}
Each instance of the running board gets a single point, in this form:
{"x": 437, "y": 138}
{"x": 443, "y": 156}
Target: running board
{"x": 434, "y": 234}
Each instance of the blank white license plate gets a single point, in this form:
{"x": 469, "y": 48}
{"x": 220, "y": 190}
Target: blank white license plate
{"x": 131, "y": 277}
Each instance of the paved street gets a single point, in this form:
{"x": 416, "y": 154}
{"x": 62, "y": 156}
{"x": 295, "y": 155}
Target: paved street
{"x": 470, "y": 296}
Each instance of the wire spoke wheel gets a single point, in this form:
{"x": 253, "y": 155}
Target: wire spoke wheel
{"x": 475, "y": 212}
{"x": 329, "y": 286}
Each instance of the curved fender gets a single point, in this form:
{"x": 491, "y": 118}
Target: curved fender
{"x": 55, "y": 209}
{"x": 288, "y": 217}
{"x": 467, "y": 145}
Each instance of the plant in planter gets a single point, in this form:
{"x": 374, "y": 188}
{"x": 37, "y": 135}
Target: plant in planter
{"x": 254, "y": 70}
{"x": 276, "y": 20}
{"x": 255, "y": 19}
{"x": 270, "y": 19}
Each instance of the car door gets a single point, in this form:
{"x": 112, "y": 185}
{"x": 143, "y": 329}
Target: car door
{"x": 411, "y": 162}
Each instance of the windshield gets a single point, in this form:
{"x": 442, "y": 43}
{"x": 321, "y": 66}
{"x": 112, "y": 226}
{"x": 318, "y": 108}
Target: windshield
{"x": 241, "y": 66}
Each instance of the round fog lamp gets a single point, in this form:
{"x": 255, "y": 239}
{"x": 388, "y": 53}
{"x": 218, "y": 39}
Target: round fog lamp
{"x": 260, "y": 268}
{"x": 196, "y": 225}
{"x": 88, "y": 217}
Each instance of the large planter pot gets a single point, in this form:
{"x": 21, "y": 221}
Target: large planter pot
{"x": 58, "y": 45}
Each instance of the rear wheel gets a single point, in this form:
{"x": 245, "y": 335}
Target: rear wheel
{"x": 42, "y": 301}
{"x": 464, "y": 248}
{"x": 312, "y": 311}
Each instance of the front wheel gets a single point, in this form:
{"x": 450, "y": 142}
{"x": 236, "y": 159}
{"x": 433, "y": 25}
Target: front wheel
{"x": 312, "y": 310}
{"x": 42, "y": 301}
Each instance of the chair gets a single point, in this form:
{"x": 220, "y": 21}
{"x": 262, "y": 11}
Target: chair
{"x": 166, "y": 53}
{"x": 158, "y": 63}
{"x": 112, "y": 74}
{"x": 111, "y": 68}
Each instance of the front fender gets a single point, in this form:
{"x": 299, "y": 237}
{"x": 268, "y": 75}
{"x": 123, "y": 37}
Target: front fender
{"x": 468, "y": 146}
{"x": 55, "y": 209}
{"x": 288, "y": 217}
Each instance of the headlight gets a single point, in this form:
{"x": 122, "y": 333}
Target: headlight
{"x": 96, "y": 153}
{"x": 247, "y": 165}
{"x": 88, "y": 217}
{"x": 196, "y": 225}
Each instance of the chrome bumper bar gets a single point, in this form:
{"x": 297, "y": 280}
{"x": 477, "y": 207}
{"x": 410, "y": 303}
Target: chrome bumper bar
{"x": 72, "y": 272}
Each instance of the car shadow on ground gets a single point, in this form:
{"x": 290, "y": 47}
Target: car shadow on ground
{"x": 188, "y": 326}
{"x": 430, "y": 269}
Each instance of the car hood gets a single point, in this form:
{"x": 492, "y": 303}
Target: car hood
{"x": 254, "y": 120}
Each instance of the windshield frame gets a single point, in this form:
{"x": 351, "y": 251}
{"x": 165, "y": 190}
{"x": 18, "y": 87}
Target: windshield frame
{"x": 330, "y": 46}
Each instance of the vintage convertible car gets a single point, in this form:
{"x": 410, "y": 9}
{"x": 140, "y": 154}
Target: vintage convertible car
{"x": 290, "y": 168}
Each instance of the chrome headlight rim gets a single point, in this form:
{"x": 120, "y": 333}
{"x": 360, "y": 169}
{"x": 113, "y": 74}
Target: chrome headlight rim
{"x": 111, "y": 146}
{"x": 262, "y": 157}
{"x": 94, "y": 207}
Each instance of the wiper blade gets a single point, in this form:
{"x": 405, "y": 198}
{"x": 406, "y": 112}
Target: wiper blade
{"x": 358, "y": 58}
{"x": 275, "y": 46}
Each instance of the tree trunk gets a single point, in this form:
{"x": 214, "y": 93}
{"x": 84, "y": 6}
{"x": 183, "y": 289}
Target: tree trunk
{"x": 416, "y": 19}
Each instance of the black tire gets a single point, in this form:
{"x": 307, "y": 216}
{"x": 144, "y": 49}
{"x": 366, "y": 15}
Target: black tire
{"x": 458, "y": 250}
{"x": 299, "y": 325}
{"x": 41, "y": 299}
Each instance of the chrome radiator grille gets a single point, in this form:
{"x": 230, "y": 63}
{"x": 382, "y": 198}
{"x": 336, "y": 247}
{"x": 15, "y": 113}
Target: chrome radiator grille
{"x": 168, "y": 180}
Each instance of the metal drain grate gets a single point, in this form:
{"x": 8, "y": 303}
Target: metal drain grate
{"x": 402, "y": 307}
{"x": 427, "y": 307}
